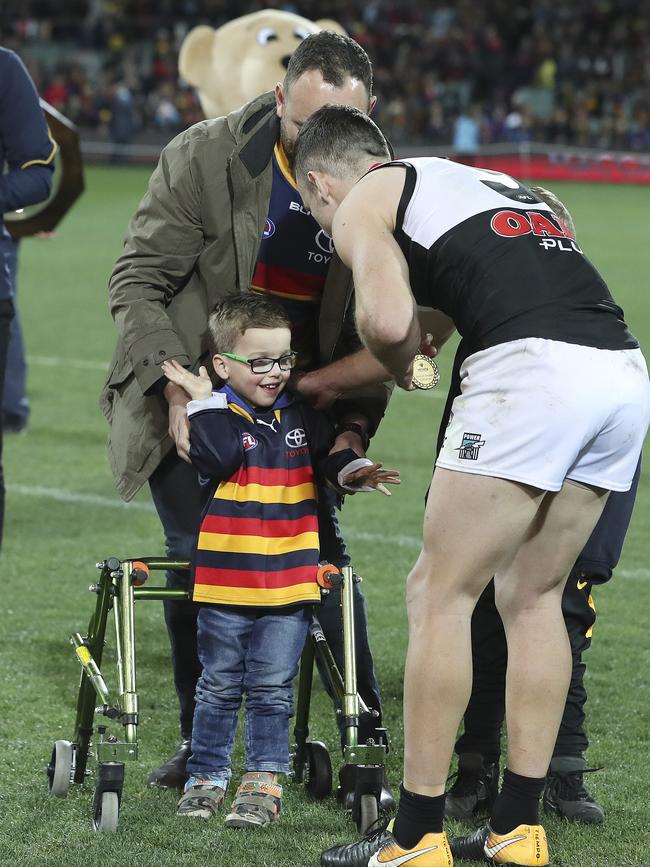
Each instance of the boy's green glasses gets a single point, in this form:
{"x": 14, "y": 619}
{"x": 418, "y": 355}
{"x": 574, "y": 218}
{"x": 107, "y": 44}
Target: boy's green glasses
{"x": 265, "y": 365}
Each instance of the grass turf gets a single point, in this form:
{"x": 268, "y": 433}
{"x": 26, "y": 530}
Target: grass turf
{"x": 63, "y": 515}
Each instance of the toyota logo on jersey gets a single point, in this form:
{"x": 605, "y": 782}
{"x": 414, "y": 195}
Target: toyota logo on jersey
{"x": 295, "y": 438}
{"x": 269, "y": 229}
{"x": 324, "y": 241}
{"x": 249, "y": 441}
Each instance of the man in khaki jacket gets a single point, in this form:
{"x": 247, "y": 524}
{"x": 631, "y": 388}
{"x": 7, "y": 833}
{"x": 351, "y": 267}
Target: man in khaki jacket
{"x": 195, "y": 239}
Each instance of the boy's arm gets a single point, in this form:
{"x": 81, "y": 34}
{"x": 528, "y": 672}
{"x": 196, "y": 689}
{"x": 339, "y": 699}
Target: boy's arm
{"x": 344, "y": 470}
{"x": 216, "y": 447}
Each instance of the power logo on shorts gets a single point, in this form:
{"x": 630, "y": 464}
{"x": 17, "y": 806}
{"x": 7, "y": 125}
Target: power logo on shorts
{"x": 469, "y": 448}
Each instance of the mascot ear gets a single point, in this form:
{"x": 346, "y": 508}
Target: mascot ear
{"x": 330, "y": 24}
{"x": 194, "y": 62}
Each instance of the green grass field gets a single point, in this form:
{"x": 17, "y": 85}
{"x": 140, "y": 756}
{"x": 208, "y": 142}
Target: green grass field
{"x": 63, "y": 515}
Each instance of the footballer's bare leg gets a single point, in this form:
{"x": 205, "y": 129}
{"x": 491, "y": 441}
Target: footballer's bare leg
{"x": 528, "y": 594}
{"x": 472, "y": 525}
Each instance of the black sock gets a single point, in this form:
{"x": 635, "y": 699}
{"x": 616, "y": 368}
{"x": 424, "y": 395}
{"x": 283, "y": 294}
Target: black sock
{"x": 517, "y": 803}
{"x": 417, "y": 815}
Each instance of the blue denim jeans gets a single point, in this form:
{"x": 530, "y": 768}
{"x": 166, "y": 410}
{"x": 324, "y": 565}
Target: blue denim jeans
{"x": 255, "y": 653}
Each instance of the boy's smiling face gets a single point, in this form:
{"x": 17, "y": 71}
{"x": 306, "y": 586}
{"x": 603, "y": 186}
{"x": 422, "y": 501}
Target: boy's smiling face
{"x": 260, "y": 390}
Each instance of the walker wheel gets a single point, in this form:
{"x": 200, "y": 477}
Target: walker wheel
{"x": 106, "y": 812}
{"x": 317, "y": 772}
{"x": 60, "y": 769}
{"x": 368, "y": 813}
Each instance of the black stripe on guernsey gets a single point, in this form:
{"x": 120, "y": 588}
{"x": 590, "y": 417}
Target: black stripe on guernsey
{"x": 409, "y": 186}
{"x": 407, "y": 192}
{"x": 266, "y": 511}
{"x": 256, "y": 562}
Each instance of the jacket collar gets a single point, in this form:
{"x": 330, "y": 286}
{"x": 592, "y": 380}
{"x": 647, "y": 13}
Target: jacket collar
{"x": 256, "y": 129}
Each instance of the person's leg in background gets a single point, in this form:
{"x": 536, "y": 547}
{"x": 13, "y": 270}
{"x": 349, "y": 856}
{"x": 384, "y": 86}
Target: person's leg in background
{"x": 15, "y": 405}
{"x": 6, "y": 314}
{"x": 179, "y": 501}
{"x": 565, "y": 792}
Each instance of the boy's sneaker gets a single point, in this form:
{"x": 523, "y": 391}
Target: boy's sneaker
{"x": 202, "y": 798}
{"x": 525, "y": 845}
{"x": 258, "y": 802}
{"x": 475, "y": 788}
{"x": 565, "y": 793}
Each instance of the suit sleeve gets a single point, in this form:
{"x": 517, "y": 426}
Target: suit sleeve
{"x": 29, "y": 148}
{"x": 216, "y": 448}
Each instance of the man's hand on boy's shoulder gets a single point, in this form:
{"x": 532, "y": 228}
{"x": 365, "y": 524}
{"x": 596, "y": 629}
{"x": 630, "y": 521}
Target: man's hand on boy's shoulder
{"x": 311, "y": 385}
{"x": 178, "y": 426}
{"x": 182, "y": 386}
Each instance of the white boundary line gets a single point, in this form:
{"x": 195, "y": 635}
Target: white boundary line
{"x": 63, "y": 496}
{"x": 78, "y": 363}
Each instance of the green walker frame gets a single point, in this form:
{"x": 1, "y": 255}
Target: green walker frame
{"x": 120, "y": 583}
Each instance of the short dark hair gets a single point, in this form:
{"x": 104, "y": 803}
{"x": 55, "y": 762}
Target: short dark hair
{"x": 335, "y": 139}
{"x": 232, "y": 317}
{"x": 335, "y": 56}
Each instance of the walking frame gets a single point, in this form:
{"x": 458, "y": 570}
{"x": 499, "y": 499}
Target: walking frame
{"x": 120, "y": 584}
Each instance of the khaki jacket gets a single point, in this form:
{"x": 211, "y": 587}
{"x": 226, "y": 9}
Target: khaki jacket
{"x": 194, "y": 240}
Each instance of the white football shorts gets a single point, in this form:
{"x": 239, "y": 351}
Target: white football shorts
{"x": 541, "y": 411}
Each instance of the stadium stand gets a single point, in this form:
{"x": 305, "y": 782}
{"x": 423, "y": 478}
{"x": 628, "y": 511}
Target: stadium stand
{"x": 466, "y": 74}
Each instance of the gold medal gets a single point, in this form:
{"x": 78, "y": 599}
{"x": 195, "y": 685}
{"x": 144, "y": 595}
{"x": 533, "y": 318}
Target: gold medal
{"x": 425, "y": 372}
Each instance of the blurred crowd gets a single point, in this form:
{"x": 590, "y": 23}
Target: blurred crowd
{"x": 466, "y": 72}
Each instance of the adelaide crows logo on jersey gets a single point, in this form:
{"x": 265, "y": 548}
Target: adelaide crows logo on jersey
{"x": 469, "y": 448}
{"x": 269, "y": 229}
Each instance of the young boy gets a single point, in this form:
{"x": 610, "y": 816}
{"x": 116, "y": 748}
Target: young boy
{"x": 256, "y": 558}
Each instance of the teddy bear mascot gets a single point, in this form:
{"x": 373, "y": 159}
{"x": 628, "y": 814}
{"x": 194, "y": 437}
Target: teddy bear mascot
{"x": 245, "y": 57}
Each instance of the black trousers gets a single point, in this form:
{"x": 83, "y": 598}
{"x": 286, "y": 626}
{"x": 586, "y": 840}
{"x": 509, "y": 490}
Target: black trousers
{"x": 180, "y": 501}
{"x": 6, "y": 315}
{"x": 485, "y": 712}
